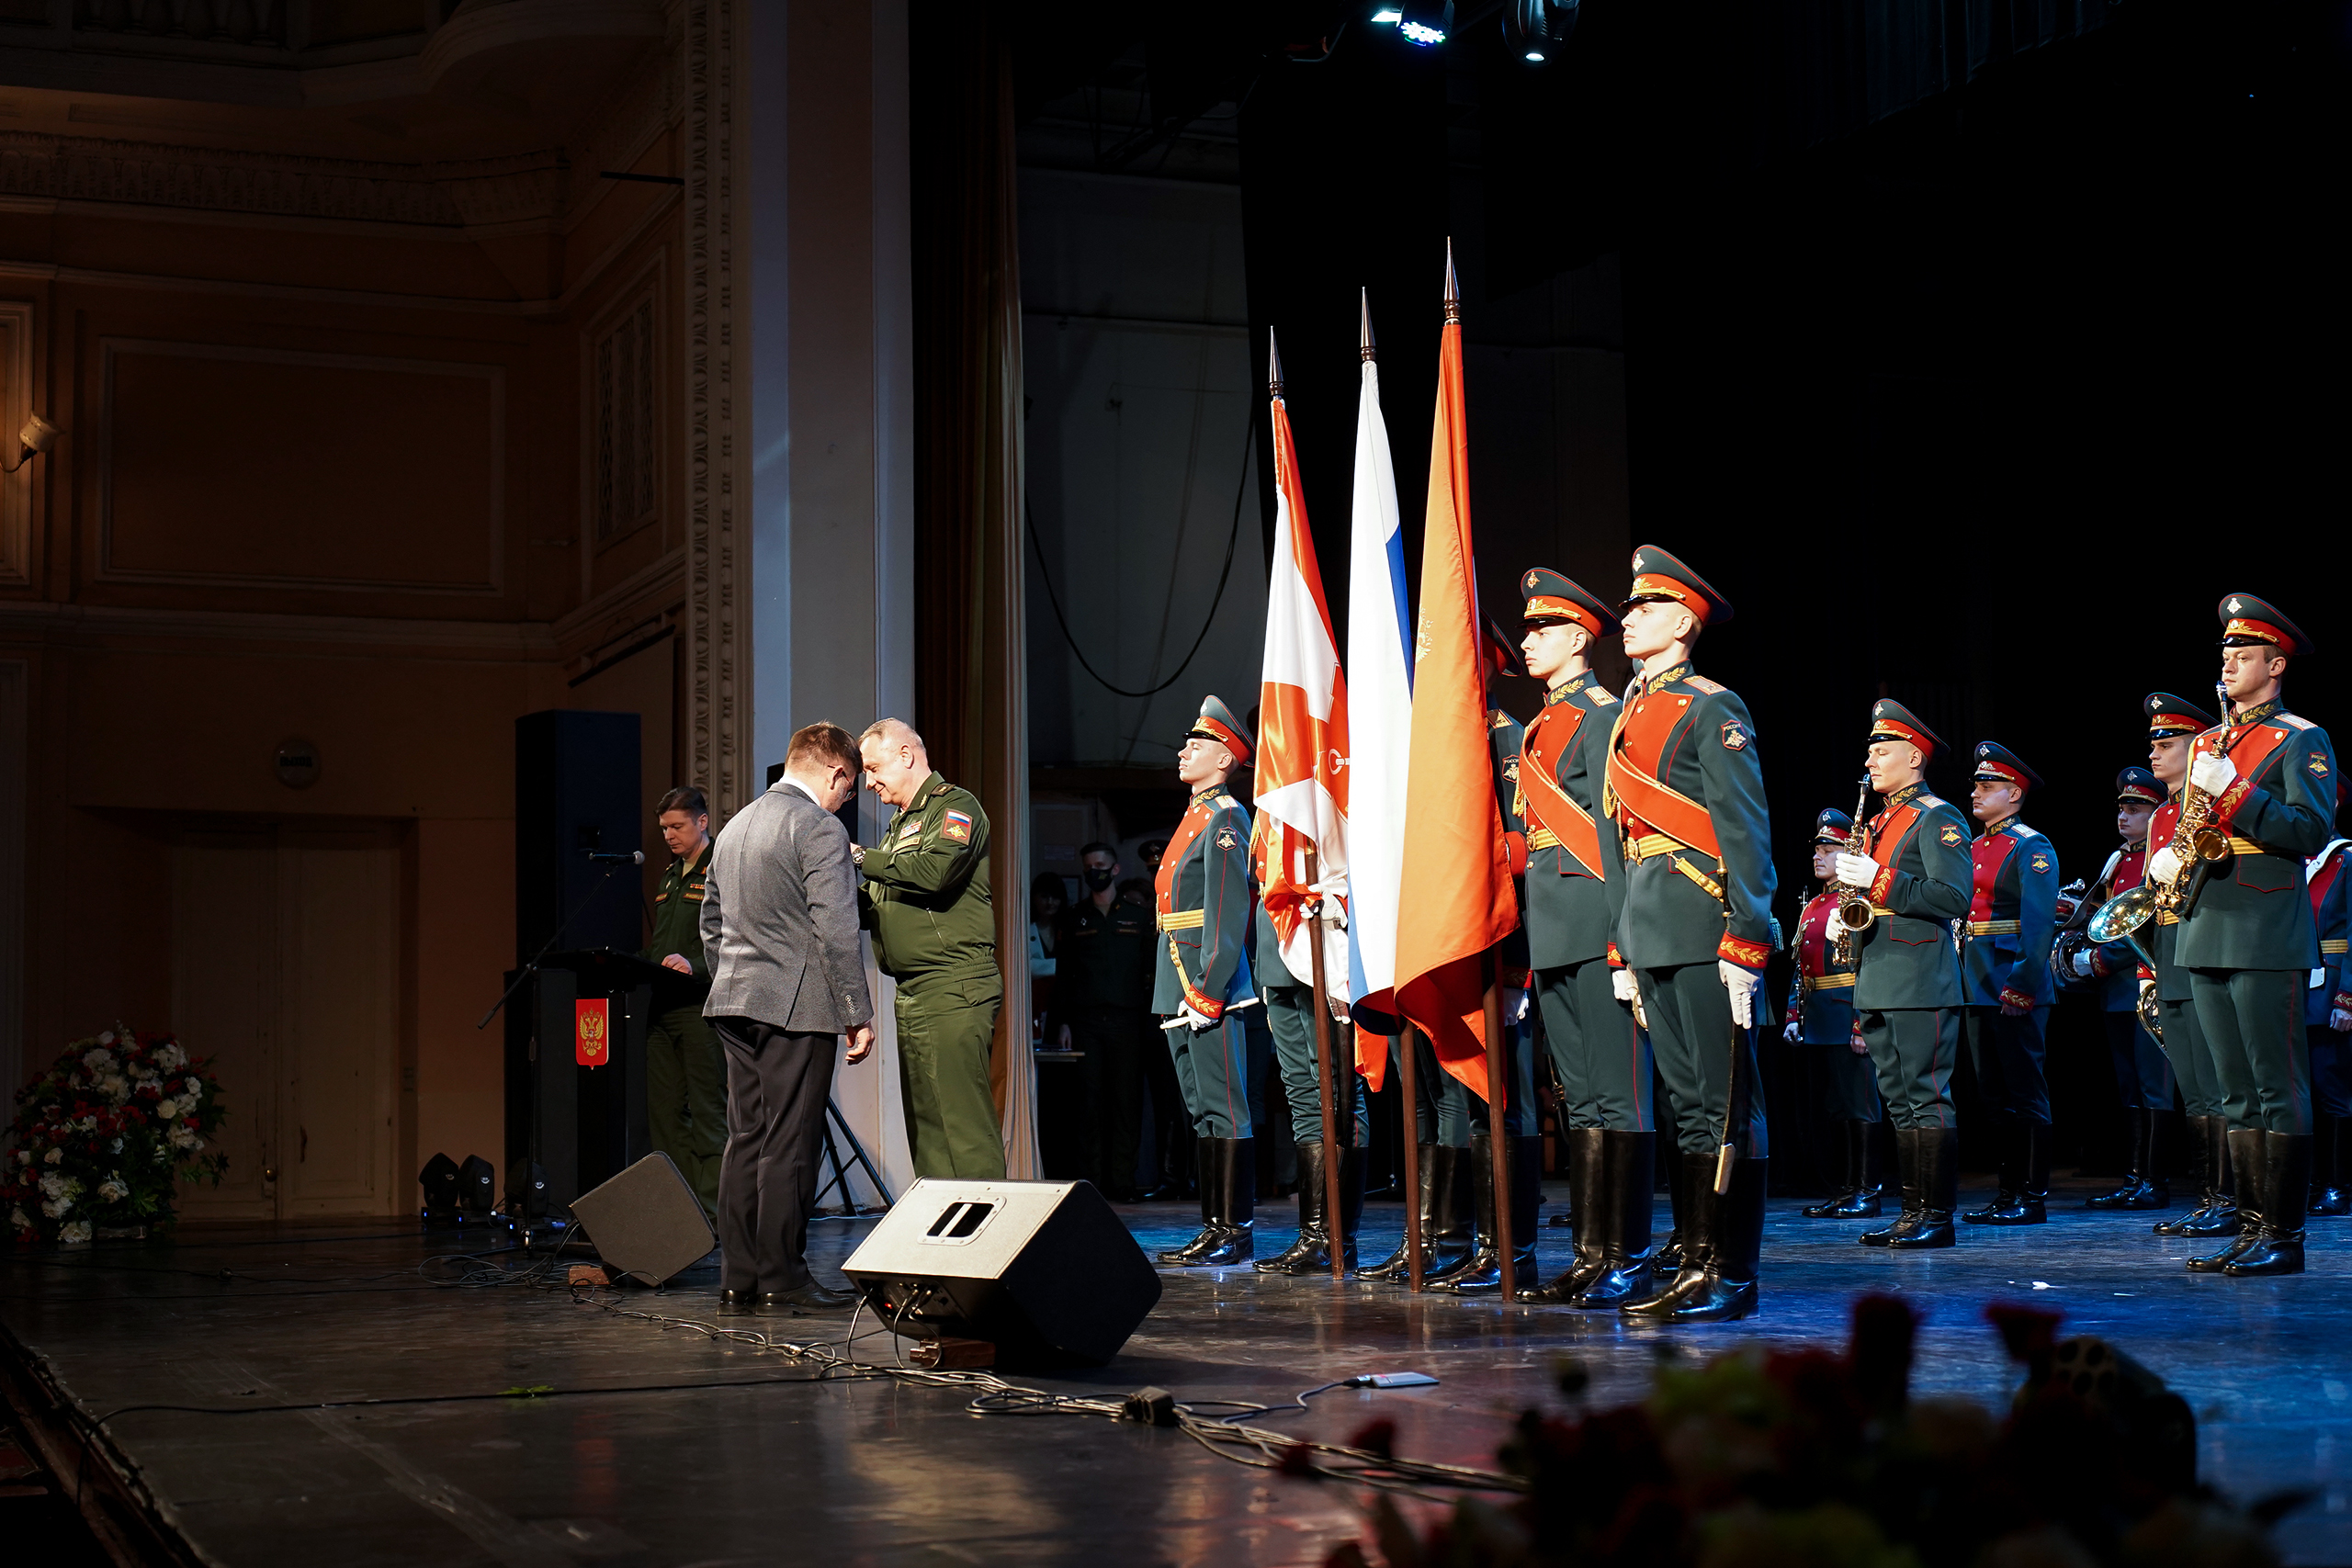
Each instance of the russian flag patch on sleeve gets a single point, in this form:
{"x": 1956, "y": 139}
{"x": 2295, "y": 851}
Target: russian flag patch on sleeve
{"x": 958, "y": 827}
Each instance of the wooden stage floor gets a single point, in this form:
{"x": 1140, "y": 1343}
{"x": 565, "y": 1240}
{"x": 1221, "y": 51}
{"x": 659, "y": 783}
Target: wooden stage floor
{"x": 663, "y": 1447}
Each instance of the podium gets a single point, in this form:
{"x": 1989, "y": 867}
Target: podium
{"x": 583, "y": 1126}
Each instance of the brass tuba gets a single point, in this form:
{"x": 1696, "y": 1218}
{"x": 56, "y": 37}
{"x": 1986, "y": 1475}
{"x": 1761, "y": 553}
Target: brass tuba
{"x": 1854, "y": 911}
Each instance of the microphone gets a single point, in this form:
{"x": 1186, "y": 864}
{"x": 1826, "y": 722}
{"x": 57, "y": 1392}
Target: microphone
{"x": 635, "y": 857}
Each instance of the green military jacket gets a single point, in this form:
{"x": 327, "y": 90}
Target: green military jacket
{"x": 2252, "y": 911}
{"x": 1204, "y": 905}
{"x": 1571, "y": 911}
{"x": 1908, "y": 958}
{"x": 677, "y": 912}
{"x": 924, "y": 893}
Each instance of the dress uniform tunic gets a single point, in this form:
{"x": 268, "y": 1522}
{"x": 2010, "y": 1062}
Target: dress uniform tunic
{"x": 685, "y": 1071}
{"x": 1907, "y": 984}
{"x": 1202, "y": 962}
{"x": 1822, "y": 1006}
{"x": 2144, "y": 1075}
{"x": 925, "y": 897}
{"x": 2012, "y": 919}
{"x": 2330, "y": 993}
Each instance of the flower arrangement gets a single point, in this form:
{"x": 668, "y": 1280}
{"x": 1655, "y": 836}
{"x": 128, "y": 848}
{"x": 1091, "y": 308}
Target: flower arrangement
{"x": 104, "y": 1137}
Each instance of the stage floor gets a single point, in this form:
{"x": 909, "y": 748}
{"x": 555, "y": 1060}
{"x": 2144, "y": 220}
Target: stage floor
{"x": 640, "y": 1459}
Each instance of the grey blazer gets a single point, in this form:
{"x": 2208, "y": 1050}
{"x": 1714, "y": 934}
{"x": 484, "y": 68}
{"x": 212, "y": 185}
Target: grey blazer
{"x": 779, "y": 919}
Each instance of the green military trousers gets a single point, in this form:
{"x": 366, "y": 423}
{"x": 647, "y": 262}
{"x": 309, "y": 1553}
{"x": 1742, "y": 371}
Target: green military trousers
{"x": 945, "y": 1025}
{"x": 1602, "y": 1061}
{"x": 2201, "y": 1093}
{"x": 686, "y": 1098}
{"x": 2253, "y": 1021}
{"x": 1914, "y": 1050}
{"x": 1695, "y": 1046}
{"x": 1213, "y": 1071}
{"x": 1290, "y": 1016}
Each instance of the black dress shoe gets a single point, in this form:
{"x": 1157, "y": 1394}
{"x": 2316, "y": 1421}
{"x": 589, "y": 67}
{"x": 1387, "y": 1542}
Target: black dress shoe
{"x": 810, "y": 1297}
{"x": 736, "y": 1304}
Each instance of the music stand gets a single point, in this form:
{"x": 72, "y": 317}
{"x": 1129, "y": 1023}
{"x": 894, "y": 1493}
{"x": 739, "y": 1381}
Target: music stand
{"x": 850, "y": 1211}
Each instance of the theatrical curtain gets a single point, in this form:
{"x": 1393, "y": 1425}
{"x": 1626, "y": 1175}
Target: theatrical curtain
{"x": 970, "y": 690}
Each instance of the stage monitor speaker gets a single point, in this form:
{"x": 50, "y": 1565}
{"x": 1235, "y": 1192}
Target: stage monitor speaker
{"x": 645, "y": 1222}
{"x": 1042, "y": 1269}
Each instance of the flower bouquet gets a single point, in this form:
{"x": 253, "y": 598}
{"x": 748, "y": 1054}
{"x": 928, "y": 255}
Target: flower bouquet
{"x": 104, "y": 1137}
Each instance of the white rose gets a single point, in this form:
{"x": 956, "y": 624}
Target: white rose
{"x": 97, "y": 1061}
{"x": 167, "y": 1108}
{"x": 55, "y": 1207}
{"x": 116, "y": 1148}
{"x": 18, "y": 1218}
{"x": 78, "y": 1232}
{"x": 170, "y": 1058}
{"x": 24, "y": 1156}
{"x": 115, "y": 1086}
{"x": 181, "y": 1138}
{"x": 54, "y": 1156}
{"x": 108, "y": 1038}
{"x": 112, "y": 1190}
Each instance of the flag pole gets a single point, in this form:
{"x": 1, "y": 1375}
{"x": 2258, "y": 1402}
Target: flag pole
{"x": 1498, "y": 1089}
{"x": 1333, "y": 1221}
{"x": 1411, "y": 1094}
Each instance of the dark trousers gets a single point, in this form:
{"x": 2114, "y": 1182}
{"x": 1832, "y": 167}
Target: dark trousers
{"x": 2253, "y": 1021}
{"x": 1914, "y": 1050}
{"x": 1290, "y": 1014}
{"x": 1692, "y": 1035}
{"x": 1845, "y": 1082}
{"x": 2143, "y": 1075}
{"x": 2331, "y": 1070}
{"x": 1603, "y": 1062}
{"x": 1114, "y": 1040}
{"x": 2201, "y": 1093}
{"x": 777, "y": 1086}
{"x": 1213, "y": 1070}
{"x": 2007, "y": 1054}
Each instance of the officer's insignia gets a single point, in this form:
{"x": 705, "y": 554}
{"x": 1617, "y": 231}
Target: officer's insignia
{"x": 1510, "y": 770}
{"x": 2318, "y": 765}
{"x": 2041, "y": 864}
{"x": 1227, "y": 839}
{"x": 1734, "y": 735}
{"x": 957, "y": 826}
{"x": 1602, "y": 697}
{"x": 1953, "y": 835}
{"x": 1701, "y": 684}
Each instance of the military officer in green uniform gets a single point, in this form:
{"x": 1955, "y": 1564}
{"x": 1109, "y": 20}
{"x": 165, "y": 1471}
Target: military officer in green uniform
{"x": 1686, "y": 788}
{"x": 1203, "y": 981}
{"x": 1911, "y": 863}
{"x": 924, "y": 895}
{"x": 2249, "y": 937}
{"x": 685, "y": 1071}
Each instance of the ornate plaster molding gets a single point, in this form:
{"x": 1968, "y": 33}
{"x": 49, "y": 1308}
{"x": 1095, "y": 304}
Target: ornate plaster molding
{"x": 719, "y": 674}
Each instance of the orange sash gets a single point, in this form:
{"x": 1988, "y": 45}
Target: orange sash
{"x": 1197, "y": 816}
{"x": 1667, "y": 809}
{"x": 1890, "y": 827}
{"x": 1554, "y": 808}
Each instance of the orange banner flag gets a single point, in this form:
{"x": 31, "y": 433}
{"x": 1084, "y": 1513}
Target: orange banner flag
{"x": 1456, "y": 900}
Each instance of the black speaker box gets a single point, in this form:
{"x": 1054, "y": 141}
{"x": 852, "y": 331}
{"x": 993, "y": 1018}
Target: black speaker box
{"x": 1044, "y": 1270}
{"x": 645, "y": 1222}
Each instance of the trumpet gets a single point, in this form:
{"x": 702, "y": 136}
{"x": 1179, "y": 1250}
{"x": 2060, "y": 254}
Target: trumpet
{"x": 1854, "y": 911}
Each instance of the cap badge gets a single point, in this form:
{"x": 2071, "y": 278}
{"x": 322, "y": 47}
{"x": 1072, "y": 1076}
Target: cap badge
{"x": 2235, "y": 607}
{"x": 1528, "y": 581}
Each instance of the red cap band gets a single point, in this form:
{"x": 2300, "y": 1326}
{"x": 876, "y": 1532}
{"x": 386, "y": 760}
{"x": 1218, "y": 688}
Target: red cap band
{"x": 1887, "y": 729}
{"x": 1544, "y": 607}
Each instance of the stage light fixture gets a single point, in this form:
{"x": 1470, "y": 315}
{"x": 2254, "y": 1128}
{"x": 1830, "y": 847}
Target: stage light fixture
{"x": 440, "y": 1181}
{"x": 477, "y": 1187}
{"x": 1425, "y": 22}
{"x": 1387, "y": 16}
{"x": 1537, "y": 27}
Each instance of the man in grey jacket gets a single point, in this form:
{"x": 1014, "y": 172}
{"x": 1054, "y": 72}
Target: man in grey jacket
{"x": 779, "y": 932}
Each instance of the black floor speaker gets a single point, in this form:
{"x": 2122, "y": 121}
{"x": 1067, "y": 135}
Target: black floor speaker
{"x": 1043, "y": 1271}
{"x": 645, "y": 1222}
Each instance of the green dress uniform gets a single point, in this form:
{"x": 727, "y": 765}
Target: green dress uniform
{"x": 1686, "y": 788}
{"x": 685, "y": 1071}
{"x": 1201, "y": 983}
{"x": 2250, "y": 941}
{"x": 1574, "y": 887}
{"x": 924, "y": 895}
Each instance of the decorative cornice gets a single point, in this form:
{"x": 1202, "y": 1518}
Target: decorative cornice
{"x": 718, "y": 702}
{"x": 525, "y": 642}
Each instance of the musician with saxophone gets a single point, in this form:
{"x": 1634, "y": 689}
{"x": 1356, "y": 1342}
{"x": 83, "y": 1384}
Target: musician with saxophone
{"x": 2263, "y": 787}
{"x": 2012, "y": 916}
{"x": 1821, "y": 1014}
{"x": 1908, "y": 873}
{"x": 2143, "y": 1077}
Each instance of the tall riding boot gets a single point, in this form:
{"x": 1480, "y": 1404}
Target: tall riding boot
{"x": 1311, "y": 1253}
{"x": 2286, "y": 1196}
{"x": 1856, "y": 1138}
{"x": 2217, "y": 1214}
{"x": 2328, "y": 1193}
{"x": 1351, "y": 1201}
{"x": 1669, "y": 1254}
{"x": 2005, "y": 1196}
{"x": 2135, "y": 1179}
{"x": 2024, "y": 1198}
{"x": 2244, "y": 1146}
{"x": 1431, "y": 1183}
{"x": 1731, "y": 1225}
{"x": 1526, "y": 1203}
{"x": 1236, "y": 1174}
{"x": 1907, "y": 1180}
{"x": 2155, "y": 1183}
{"x": 1936, "y": 1158}
{"x": 1694, "y": 1183}
{"x": 1864, "y": 1203}
{"x": 1204, "y": 1157}
{"x": 1482, "y": 1267}
{"x": 2201, "y": 1136}
{"x": 1585, "y": 1154}
{"x": 1624, "y": 1198}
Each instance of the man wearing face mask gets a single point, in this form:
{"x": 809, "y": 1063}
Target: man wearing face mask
{"x": 1102, "y": 995}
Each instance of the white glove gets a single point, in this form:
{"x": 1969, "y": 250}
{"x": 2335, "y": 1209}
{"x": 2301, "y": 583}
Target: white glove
{"x": 2340, "y": 1021}
{"x": 2212, "y": 774}
{"x": 2164, "y": 865}
{"x": 1620, "y": 986}
{"x": 1790, "y": 1033}
{"x": 2082, "y": 964}
{"x": 1742, "y": 985}
{"x": 1514, "y": 1001}
{"x": 1857, "y": 871}
{"x": 1193, "y": 1018}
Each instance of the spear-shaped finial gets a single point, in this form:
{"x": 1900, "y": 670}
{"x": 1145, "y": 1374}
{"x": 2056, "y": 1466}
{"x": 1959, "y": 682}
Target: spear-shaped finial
{"x": 1363, "y": 338}
{"x": 1274, "y": 365}
{"x": 1452, "y": 288}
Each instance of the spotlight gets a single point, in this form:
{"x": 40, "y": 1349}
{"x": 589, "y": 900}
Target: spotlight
{"x": 477, "y": 1187}
{"x": 1425, "y": 22}
{"x": 1538, "y": 28}
{"x": 440, "y": 1181}
{"x": 1387, "y": 16}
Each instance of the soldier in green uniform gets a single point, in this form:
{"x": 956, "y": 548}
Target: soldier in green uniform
{"x": 1686, "y": 790}
{"x": 1102, "y": 999}
{"x": 1911, "y": 862}
{"x": 1202, "y": 982}
{"x": 685, "y": 1071}
{"x": 2249, "y": 937}
{"x": 924, "y": 895}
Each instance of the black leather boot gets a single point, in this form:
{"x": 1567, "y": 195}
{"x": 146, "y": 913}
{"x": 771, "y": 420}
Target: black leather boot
{"x": 1482, "y": 1269}
{"x": 1936, "y": 1156}
{"x": 1669, "y": 1253}
{"x": 1524, "y": 1194}
{"x": 1695, "y": 1217}
{"x": 1730, "y": 1226}
{"x": 1351, "y": 1201}
{"x": 2134, "y": 1178}
{"x": 1430, "y": 1182}
{"x": 2329, "y": 1195}
{"x": 1235, "y": 1219}
{"x": 2244, "y": 1146}
{"x": 1311, "y": 1253}
{"x": 1204, "y": 1157}
{"x": 2024, "y": 1197}
{"x": 2005, "y": 1195}
{"x": 2219, "y": 1217}
{"x": 1586, "y": 1222}
{"x": 1856, "y": 1138}
{"x": 2155, "y": 1183}
{"x": 1624, "y": 1198}
{"x": 2202, "y": 1132}
{"x": 1907, "y": 1178}
{"x": 2286, "y": 1185}
{"x": 1864, "y": 1203}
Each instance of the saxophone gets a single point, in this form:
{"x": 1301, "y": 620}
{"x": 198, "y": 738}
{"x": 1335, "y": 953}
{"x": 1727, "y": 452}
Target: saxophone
{"x": 1854, "y": 911}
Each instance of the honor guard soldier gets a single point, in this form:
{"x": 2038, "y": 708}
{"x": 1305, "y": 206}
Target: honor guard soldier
{"x": 2173, "y": 723}
{"x": 2327, "y": 1017}
{"x": 1910, "y": 866}
{"x": 1204, "y": 980}
{"x": 1686, "y": 789}
{"x": 2005, "y": 966}
{"x": 2263, "y": 784}
{"x": 1575, "y": 884}
{"x": 1821, "y": 1014}
{"x": 1290, "y": 1018}
{"x": 2143, "y": 1075}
